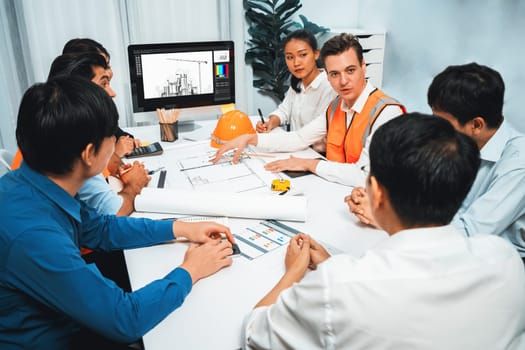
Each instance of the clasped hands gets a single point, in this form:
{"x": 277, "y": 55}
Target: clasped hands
{"x": 134, "y": 176}
{"x": 303, "y": 252}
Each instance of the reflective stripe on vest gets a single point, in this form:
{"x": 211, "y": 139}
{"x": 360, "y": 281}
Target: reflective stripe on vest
{"x": 344, "y": 144}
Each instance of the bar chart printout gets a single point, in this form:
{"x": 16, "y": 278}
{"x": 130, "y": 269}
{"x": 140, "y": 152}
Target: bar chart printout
{"x": 263, "y": 237}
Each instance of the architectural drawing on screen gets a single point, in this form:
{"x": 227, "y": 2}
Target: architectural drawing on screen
{"x": 177, "y": 74}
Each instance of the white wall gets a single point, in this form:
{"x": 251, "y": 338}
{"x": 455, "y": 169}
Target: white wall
{"x": 424, "y": 37}
{"x": 320, "y": 12}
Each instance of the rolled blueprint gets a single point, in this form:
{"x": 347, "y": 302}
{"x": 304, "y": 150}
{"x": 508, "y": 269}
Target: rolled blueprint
{"x": 240, "y": 205}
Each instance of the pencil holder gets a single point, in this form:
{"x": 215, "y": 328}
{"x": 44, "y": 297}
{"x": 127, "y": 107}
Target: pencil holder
{"x": 169, "y": 132}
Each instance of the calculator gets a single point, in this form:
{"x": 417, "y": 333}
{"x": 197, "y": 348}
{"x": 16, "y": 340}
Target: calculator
{"x": 149, "y": 150}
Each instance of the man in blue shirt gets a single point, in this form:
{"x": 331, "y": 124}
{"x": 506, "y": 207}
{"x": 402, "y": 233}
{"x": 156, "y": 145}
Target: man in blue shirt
{"x": 470, "y": 97}
{"x": 48, "y": 293}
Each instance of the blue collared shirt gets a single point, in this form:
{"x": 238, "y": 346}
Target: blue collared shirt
{"x": 97, "y": 193}
{"x": 496, "y": 201}
{"x": 47, "y": 290}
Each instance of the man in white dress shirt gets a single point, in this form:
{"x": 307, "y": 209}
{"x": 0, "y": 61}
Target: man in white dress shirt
{"x": 425, "y": 287}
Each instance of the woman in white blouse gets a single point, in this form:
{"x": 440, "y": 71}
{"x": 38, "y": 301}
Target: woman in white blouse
{"x": 309, "y": 93}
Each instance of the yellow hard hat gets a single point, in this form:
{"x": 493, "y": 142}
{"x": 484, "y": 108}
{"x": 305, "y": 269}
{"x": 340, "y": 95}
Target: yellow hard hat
{"x": 230, "y": 125}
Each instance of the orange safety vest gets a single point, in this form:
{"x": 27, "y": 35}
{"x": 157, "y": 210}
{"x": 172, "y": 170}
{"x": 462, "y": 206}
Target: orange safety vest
{"x": 344, "y": 144}
{"x": 17, "y": 160}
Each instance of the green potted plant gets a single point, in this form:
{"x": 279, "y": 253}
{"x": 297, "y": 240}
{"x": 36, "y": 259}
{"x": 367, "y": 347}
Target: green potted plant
{"x": 270, "y": 21}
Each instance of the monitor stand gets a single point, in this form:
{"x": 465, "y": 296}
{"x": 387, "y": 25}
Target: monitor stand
{"x": 188, "y": 125}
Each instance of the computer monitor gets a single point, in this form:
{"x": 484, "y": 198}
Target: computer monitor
{"x": 181, "y": 75}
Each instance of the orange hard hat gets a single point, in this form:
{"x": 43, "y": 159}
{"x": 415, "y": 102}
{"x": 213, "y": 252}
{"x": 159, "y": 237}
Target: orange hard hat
{"x": 230, "y": 125}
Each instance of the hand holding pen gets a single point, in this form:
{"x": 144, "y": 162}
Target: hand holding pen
{"x": 265, "y": 126}
{"x": 261, "y": 126}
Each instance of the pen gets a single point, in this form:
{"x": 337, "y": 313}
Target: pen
{"x": 260, "y": 115}
{"x": 151, "y": 172}
{"x": 124, "y": 168}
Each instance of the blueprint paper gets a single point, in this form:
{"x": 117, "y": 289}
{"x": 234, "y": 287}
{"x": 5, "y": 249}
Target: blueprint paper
{"x": 241, "y": 205}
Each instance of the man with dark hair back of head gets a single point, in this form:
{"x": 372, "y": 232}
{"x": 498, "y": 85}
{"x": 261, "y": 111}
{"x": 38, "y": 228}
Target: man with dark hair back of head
{"x": 470, "y": 97}
{"x": 47, "y": 292}
{"x": 424, "y": 287}
{"x": 424, "y": 167}
{"x": 54, "y": 148}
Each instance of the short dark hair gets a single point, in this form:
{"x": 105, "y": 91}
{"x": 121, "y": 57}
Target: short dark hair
{"x": 80, "y": 45}
{"x": 341, "y": 43}
{"x": 79, "y": 64}
{"x": 307, "y": 37}
{"x": 59, "y": 118}
{"x": 468, "y": 91}
{"x": 426, "y": 167}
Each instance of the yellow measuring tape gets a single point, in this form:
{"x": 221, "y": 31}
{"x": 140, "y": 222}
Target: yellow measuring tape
{"x": 280, "y": 185}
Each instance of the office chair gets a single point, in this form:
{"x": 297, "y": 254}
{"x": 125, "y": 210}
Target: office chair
{"x": 6, "y": 158}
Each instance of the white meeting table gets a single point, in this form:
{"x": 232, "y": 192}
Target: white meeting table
{"x": 212, "y": 315}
